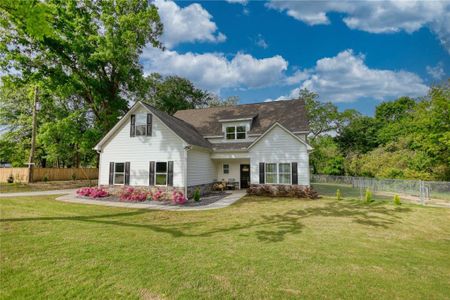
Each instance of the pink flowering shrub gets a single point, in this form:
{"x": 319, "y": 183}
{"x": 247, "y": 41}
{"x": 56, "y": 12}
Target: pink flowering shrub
{"x": 92, "y": 192}
{"x": 178, "y": 197}
{"x": 158, "y": 195}
{"x": 132, "y": 194}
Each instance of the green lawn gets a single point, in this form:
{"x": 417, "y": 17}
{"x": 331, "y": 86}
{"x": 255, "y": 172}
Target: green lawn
{"x": 258, "y": 248}
{"x": 44, "y": 186}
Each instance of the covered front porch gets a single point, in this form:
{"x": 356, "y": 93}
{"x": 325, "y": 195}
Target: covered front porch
{"x": 234, "y": 171}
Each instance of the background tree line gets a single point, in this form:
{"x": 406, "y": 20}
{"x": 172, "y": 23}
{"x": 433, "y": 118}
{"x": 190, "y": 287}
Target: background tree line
{"x": 406, "y": 138}
{"x": 83, "y": 56}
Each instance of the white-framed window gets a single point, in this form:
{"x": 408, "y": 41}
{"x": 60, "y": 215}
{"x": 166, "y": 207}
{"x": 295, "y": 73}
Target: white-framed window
{"x": 226, "y": 169}
{"x": 236, "y": 133}
{"x": 284, "y": 173}
{"x": 271, "y": 173}
{"x": 119, "y": 173}
{"x": 141, "y": 124}
{"x": 161, "y": 173}
{"x": 278, "y": 173}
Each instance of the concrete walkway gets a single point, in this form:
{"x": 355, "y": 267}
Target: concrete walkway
{"x": 38, "y": 193}
{"x": 224, "y": 202}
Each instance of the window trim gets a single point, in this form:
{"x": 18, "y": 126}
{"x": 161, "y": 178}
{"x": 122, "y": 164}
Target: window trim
{"x": 228, "y": 169}
{"x": 123, "y": 173}
{"x": 235, "y": 132}
{"x": 161, "y": 173}
{"x": 278, "y": 173}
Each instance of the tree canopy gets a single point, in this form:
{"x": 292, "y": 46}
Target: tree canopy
{"x": 91, "y": 52}
{"x": 407, "y": 138}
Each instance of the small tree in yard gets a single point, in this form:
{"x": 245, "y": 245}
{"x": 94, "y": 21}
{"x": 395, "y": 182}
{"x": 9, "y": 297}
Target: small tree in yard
{"x": 338, "y": 194}
{"x": 197, "y": 195}
{"x": 368, "y": 196}
{"x": 397, "y": 200}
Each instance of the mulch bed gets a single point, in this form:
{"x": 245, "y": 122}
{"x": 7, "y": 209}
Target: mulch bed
{"x": 205, "y": 200}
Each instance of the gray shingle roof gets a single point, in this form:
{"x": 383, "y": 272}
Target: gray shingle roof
{"x": 290, "y": 113}
{"x": 184, "y": 130}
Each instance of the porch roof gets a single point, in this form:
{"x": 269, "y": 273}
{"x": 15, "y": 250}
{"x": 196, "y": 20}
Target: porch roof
{"x": 230, "y": 146}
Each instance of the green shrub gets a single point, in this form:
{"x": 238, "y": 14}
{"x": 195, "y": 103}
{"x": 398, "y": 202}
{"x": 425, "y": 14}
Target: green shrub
{"x": 10, "y": 179}
{"x": 74, "y": 176}
{"x": 397, "y": 200}
{"x": 45, "y": 179}
{"x": 368, "y": 196}
{"x": 294, "y": 191}
{"x": 338, "y": 194}
{"x": 197, "y": 195}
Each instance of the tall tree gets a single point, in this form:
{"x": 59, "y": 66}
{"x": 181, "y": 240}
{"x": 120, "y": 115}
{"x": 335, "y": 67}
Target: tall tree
{"x": 324, "y": 117}
{"x": 93, "y": 47}
{"x": 174, "y": 93}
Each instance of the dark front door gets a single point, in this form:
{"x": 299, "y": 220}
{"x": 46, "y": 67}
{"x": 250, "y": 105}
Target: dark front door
{"x": 245, "y": 176}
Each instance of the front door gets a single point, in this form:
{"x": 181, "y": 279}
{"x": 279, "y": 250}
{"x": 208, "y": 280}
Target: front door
{"x": 245, "y": 176}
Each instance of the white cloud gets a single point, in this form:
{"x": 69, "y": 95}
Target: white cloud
{"x": 214, "y": 71}
{"x": 297, "y": 77}
{"x": 375, "y": 16}
{"x": 437, "y": 72}
{"x": 260, "y": 42}
{"x": 243, "y": 2}
{"x": 188, "y": 24}
{"x": 346, "y": 78}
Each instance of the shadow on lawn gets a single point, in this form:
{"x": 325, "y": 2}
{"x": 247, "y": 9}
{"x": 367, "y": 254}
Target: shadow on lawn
{"x": 278, "y": 225}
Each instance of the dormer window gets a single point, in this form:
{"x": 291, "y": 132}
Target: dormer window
{"x": 235, "y": 132}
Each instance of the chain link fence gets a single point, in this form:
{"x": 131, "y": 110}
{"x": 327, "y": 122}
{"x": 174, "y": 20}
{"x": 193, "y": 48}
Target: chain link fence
{"x": 423, "y": 192}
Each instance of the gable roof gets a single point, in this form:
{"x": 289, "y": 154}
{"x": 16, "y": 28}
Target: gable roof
{"x": 184, "y": 130}
{"x": 291, "y": 114}
{"x": 276, "y": 124}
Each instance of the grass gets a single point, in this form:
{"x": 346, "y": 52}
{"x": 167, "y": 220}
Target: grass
{"x": 258, "y": 248}
{"x": 43, "y": 186}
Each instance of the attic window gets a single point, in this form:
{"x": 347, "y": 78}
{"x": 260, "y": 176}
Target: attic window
{"x": 235, "y": 133}
{"x": 141, "y": 124}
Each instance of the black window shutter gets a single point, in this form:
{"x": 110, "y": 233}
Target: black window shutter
{"x": 133, "y": 126}
{"x": 151, "y": 173}
{"x": 294, "y": 173}
{"x": 111, "y": 173}
{"x": 127, "y": 173}
{"x": 261, "y": 173}
{"x": 170, "y": 173}
{"x": 149, "y": 124}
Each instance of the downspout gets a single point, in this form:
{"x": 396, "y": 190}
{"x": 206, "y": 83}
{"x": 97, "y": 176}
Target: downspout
{"x": 186, "y": 149}
{"x": 99, "y": 153}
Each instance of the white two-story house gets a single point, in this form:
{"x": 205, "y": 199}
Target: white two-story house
{"x": 261, "y": 143}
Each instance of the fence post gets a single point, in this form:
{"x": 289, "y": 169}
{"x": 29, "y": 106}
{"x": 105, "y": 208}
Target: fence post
{"x": 361, "y": 188}
{"x": 422, "y": 192}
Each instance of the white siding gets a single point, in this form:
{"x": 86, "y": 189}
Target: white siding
{"x": 279, "y": 146}
{"x": 201, "y": 169}
{"x": 163, "y": 145}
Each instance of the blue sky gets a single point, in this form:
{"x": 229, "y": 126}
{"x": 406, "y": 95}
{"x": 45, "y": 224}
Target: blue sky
{"x": 353, "y": 53}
